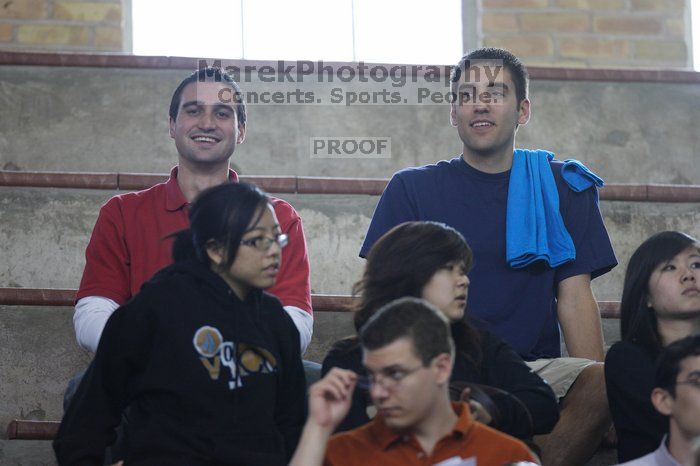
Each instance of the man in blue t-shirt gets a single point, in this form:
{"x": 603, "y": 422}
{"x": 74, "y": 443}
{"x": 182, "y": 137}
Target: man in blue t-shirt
{"x": 526, "y": 306}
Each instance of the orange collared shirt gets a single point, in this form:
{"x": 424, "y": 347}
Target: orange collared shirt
{"x": 376, "y": 444}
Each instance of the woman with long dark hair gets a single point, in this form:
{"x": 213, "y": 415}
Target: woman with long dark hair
{"x": 430, "y": 260}
{"x": 660, "y": 304}
{"x": 205, "y": 364}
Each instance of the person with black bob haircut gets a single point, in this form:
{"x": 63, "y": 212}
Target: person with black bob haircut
{"x": 430, "y": 260}
{"x": 660, "y": 304}
{"x": 207, "y": 364}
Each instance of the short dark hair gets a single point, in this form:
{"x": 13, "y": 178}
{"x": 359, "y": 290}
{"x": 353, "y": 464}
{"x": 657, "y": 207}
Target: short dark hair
{"x": 668, "y": 365}
{"x": 518, "y": 71}
{"x": 638, "y": 322}
{"x": 221, "y": 214}
{"x": 212, "y": 74}
{"x": 403, "y": 261}
{"x": 410, "y": 318}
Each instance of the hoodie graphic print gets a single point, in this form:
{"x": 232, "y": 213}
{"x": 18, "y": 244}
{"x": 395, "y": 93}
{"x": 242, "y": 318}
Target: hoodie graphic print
{"x": 241, "y": 359}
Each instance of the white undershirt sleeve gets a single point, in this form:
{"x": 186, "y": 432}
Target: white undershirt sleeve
{"x": 304, "y": 323}
{"x": 91, "y": 314}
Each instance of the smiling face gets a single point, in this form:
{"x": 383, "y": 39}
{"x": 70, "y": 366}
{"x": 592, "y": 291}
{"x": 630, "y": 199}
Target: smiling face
{"x": 411, "y": 400}
{"x": 252, "y": 268}
{"x": 487, "y": 112}
{"x": 673, "y": 286}
{"x": 447, "y": 290}
{"x": 206, "y": 129}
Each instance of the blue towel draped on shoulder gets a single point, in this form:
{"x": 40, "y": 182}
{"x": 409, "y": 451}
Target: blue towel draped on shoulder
{"x": 534, "y": 227}
{"x": 578, "y": 176}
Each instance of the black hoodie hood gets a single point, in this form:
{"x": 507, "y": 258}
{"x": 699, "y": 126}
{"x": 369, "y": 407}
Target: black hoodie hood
{"x": 206, "y": 278}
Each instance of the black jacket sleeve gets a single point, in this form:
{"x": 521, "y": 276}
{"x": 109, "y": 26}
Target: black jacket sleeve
{"x": 290, "y": 408}
{"x": 346, "y": 354}
{"x": 629, "y": 380}
{"x": 88, "y": 426}
{"x": 534, "y": 399}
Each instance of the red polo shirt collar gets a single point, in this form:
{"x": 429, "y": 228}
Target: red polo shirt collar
{"x": 385, "y": 437}
{"x": 174, "y": 199}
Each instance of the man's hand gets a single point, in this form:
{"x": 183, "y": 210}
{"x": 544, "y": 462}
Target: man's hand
{"x": 329, "y": 402}
{"x": 330, "y": 398}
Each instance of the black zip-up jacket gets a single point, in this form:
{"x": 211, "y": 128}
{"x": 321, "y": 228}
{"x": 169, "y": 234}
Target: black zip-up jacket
{"x": 629, "y": 379}
{"x": 208, "y": 378}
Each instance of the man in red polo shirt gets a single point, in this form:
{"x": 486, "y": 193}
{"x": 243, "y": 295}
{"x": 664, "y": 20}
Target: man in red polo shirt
{"x": 130, "y": 240}
{"x": 408, "y": 353}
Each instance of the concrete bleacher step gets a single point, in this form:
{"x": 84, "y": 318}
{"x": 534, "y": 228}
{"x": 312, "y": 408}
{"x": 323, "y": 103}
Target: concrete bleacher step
{"x": 40, "y": 453}
{"x": 55, "y": 223}
{"x": 39, "y": 353}
{"x": 109, "y": 113}
{"x": 46, "y": 430}
{"x": 26, "y": 453}
{"x": 86, "y": 118}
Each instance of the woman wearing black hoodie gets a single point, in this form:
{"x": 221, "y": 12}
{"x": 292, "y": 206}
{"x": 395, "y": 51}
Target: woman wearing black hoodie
{"x": 207, "y": 364}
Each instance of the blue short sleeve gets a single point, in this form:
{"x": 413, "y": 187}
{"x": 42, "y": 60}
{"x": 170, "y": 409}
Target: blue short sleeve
{"x": 394, "y": 207}
{"x": 584, "y": 222}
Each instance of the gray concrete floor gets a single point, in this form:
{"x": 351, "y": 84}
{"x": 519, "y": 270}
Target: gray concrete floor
{"x": 39, "y": 453}
{"x": 26, "y": 453}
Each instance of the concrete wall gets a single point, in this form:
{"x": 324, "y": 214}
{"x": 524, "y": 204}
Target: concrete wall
{"x": 110, "y": 119}
{"x": 115, "y": 120}
{"x": 26, "y": 453}
{"x": 44, "y": 233}
{"x": 38, "y": 356}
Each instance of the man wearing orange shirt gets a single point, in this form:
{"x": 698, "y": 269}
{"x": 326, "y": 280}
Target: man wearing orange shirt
{"x": 408, "y": 353}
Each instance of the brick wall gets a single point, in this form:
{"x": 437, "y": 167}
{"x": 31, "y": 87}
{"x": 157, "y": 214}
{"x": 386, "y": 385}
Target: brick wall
{"x": 572, "y": 33}
{"x": 590, "y": 33}
{"x": 65, "y": 25}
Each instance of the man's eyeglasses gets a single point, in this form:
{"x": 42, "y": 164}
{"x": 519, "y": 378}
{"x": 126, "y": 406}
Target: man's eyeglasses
{"x": 387, "y": 378}
{"x": 263, "y": 243}
{"x": 694, "y": 382}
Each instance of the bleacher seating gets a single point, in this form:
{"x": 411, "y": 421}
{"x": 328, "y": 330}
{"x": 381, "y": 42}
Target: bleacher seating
{"x": 75, "y": 114}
